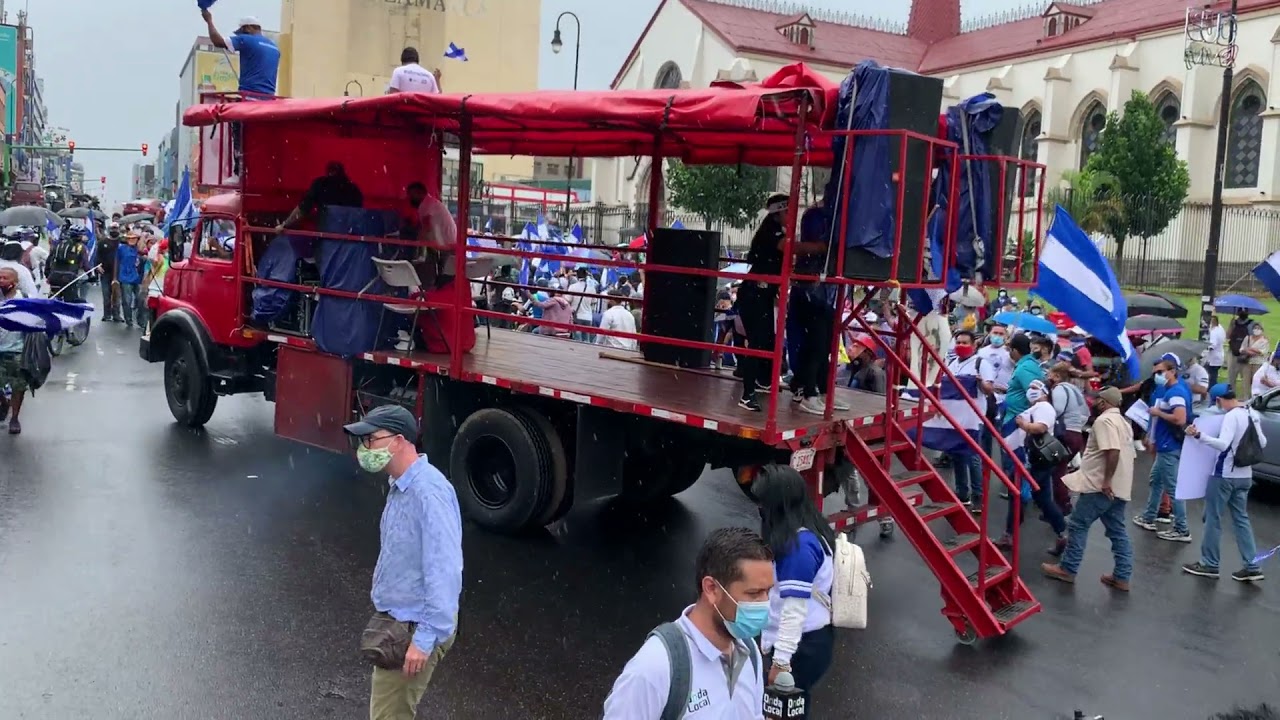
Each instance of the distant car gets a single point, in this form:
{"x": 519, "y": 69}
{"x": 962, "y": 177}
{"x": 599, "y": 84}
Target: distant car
{"x": 1268, "y": 406}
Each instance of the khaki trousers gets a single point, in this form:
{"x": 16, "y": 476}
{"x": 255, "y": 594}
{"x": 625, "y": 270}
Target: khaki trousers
{"x": 394, "y": 696}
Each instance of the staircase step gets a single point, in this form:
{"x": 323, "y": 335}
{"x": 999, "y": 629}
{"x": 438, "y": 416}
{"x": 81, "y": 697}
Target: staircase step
{"x": 960, "y": 543}
{"x": 937, "y": 508}
{"x": 994, "y": 573}
{"x": 908, "y": 478}
{"x": 1011, "y": 614}
{"x": 878, "y": 444}
{"x": 846, "y": 519}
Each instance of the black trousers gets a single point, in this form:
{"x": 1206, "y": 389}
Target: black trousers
{"x": 816, "y": 320}
{"x": 812, "y": 658}
{"x": 755, "y": 309}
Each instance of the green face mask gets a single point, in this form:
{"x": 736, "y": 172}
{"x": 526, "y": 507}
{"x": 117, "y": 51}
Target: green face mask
{"x": 373, "y": 460}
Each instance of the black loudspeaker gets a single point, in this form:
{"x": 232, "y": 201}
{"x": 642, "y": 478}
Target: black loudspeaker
{"x": 1004, "y": 141}
{"x": 914, "y": 101}
{"x": 680, "y": 306}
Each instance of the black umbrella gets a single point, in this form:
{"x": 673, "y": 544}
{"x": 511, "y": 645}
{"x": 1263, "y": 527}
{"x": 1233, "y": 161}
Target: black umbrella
{"x": 1186, "y": 350}
{"x": 1171, "y": 299}
{"x": 32, "y": 215}
{"x": 137, "y": 217}
{"x": 1142, "y": 304}
{"x": 1153, "y": 323}
{"x": 80, "y": 213}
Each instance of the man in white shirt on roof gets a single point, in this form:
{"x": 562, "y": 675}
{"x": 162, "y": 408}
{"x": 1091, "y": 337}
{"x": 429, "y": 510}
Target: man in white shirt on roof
{"x": 713, "y": 640}
{"x": 411, "y": 77}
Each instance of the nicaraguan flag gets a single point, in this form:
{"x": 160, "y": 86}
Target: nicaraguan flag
{"x": 453, "y": 52}
{"x": 939, "y": 434}
{"x": 1268, "y": 273}
{"x": 91, "y": 245}
{"x": 526, "y": 245}
{"x": 205, "y": 4}
{"x": 41, "y": 315}
{"x": 1077, "y": 280}
{"x": 53, "y": 230}
{"x": 184, "y": 207}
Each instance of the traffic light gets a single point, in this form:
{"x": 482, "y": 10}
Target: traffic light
{"x": 71, "y": 146}
{"x": 144, "y": 149}
{"x": 103, "y": 179}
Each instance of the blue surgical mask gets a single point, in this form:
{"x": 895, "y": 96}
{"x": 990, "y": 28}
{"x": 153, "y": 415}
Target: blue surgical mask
{"x": 749, "y": 621}
{"x": 1159, "y": 379}
{"x": 997, "y": 341}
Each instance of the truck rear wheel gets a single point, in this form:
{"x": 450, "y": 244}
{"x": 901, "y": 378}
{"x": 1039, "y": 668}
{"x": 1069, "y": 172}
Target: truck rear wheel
{"x": 657, "y": 472}
{"x": 187, "y": 387}
{"x": 561, "y": 493}
{"x": 504, "y": 468}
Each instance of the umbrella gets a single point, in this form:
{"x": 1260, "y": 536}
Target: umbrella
{"x": 137, "y": 217}
{"x": 41, "y": 315}
{"x": 734, "y": 268}
{"x": 1171, "y": 299}
{"x": 1153, "y": 324}
{"x": 1026, "y": 321}
{"x": 968, "y": 296}
{"x": 1184, "y": 349}
{"x": 32, "y": 215}
{"x": 80, "y": 213}
{"x": 1233, "y": 303}
{"x": 1143, "y": 304}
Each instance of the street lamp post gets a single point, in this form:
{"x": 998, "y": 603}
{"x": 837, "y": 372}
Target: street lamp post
{"x": 1209, "y": 287}
{"x": 556, "y": 45}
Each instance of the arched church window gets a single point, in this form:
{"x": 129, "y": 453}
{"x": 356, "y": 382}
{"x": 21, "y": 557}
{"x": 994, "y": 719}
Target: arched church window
{"x": 1244, "y": 143}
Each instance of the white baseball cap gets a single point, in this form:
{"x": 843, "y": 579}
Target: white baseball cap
{"x": 248, "y": 20}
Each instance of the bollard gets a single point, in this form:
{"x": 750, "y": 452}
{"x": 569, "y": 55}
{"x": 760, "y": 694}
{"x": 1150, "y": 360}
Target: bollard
{"x": 783, "y": 700}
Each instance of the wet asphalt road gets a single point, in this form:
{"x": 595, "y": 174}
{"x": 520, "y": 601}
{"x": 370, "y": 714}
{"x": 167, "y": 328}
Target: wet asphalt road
{"x": 152, "y": 572}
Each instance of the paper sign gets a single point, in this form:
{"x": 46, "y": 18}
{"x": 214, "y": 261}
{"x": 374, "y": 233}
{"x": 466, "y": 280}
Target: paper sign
{"x": 1198, "y": 460}
{"x": 1140, "y": 414}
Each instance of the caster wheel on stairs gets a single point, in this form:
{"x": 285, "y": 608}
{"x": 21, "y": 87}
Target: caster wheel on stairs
{"x": 966, "y": 635}
{"x": 887, "y": 529}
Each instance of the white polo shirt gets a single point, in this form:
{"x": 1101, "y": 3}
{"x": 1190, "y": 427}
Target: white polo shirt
{"x": 640, "y": 692}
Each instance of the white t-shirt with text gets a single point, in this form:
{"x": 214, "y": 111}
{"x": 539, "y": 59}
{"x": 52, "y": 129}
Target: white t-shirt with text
{"x": 413, "y": 78}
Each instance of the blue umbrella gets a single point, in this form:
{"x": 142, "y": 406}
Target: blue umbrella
{"x": 1026, "y": 321}
{"x": 1232, "y": 303}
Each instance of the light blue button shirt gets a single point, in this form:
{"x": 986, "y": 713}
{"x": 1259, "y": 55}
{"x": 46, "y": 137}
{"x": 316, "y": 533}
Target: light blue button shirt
{"x": 418, "y": 577}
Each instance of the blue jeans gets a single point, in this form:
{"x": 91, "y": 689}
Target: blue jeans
{"x": 1164, "y": 479}
{"x": 1090, "y": 508}
{"x": 1234, "y": 494}
{"x": 129, "y": 302}
{"x": 1042, "y": 498}
{"x": 966, "y": 468}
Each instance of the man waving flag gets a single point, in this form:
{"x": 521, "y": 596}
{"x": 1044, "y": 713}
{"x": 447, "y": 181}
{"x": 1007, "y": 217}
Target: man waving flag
{"x": 1076, "y": 279}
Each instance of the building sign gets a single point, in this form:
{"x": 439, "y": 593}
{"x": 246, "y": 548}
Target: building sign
{"x": 9, "y": 75}
{"x": 469, "y": 8}
{"x": 216, "y": 72}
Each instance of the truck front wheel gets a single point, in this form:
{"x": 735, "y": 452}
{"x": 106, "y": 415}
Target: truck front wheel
{"x": 505, "y": 470}
{"x": 187, "y": 387}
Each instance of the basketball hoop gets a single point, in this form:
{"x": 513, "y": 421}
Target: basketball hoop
{"x": 1210, "y": 39}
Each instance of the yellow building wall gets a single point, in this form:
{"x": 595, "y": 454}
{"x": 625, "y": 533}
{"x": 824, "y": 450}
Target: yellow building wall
{"x": 353, "y": 45}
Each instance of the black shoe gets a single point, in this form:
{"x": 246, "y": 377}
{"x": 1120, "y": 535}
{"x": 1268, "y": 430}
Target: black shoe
{"x": 1201, "y": 570}
{"x": 105, "y": 319}
{"x": 749, "y": 403}
{"x": 1247, "y": 575}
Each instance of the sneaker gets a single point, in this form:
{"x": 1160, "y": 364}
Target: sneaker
{"x": 1138, "y": 446}
{"x": 749, "y": 403}
{"x": 15, "y": 427}
{"x": 1175, "y": 536}
{"x": 797, "y": 397}
{"x": 762, "y": 388}
{"x": 1200, "y": 570}
{"x": 1247, "y": 575}
{"x": 1005, "y": 542}
{"x": 813, "y": 406}
{"x": 1055, "y": 571}
{"x": 976, "y": 508}
{"x": 836, "y": 404}
{"x": 1144, "y": 523}
{"x": 1111, "y": 582}
{"x": 1164, "y": 519}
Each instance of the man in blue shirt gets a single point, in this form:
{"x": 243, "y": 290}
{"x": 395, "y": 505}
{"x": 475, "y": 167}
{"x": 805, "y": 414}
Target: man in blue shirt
{"x": 259, "y": 56}
{"x": 1026, "y": 370}
{"x": 127, "y": 278}
{"x": 1170, "y": 413}
{"x": 418, "y": 578}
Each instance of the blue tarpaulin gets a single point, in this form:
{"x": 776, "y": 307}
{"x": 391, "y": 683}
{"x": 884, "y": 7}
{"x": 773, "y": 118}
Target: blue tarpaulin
{"x": 344, "y": 326}
{"x": 278, "y": 263}
{"x": 969, "y": 125}
{"x": 863, "y": 104}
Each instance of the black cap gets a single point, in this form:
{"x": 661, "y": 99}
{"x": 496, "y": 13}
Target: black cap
{"x": 391, "y": 418}
{"x": 1021, "y": 343}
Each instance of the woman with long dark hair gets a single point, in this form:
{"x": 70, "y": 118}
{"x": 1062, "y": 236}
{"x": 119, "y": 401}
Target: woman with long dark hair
{"x": 799, "y": 638}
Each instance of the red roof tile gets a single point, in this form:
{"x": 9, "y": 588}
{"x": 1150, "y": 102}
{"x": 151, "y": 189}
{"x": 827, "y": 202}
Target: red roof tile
{"x": 755, "y": 31}
{"x": 1112, "y": 20}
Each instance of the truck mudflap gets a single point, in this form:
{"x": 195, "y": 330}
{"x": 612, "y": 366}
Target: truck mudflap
{"x": 144, "y": 350}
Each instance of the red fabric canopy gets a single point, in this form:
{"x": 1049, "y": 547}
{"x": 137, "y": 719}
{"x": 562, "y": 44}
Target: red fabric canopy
{"x": 724, "y": 124}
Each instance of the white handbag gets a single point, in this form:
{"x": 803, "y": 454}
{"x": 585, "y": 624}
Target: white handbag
{"x": 849, "y": 587}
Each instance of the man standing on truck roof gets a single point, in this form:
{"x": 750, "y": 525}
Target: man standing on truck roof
{"x": 411, "y": 77}
{"x": 259, "y": 56}
{"x": 706, "y": 663}
{"x": 418, "y": 578}
{"x": 331, "y": 188}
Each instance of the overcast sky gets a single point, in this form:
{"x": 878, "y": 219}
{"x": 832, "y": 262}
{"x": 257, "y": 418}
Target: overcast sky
{"x": 122, "y": 93}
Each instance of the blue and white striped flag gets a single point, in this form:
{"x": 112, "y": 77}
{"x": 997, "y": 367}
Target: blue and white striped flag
{"x": 91, "y": 245}
{"x": 1268, "y": 273}
{"x": 1077, "y": 280}
{"x": 44, "y": 315}
{"x": 184, "y": 207}
{"x": 939, "y": 434}
{"x": 453, "y": 52}
{"x": 526, "y": 245}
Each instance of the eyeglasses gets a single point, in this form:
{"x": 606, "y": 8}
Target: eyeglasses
{"x": 368, "y": 440}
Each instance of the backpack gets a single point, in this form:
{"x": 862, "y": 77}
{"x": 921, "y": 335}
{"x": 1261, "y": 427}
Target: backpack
{"x": 36, "y": 360}
{"x": 672, "y": 638}
{"x": 850, "y": 583}
{"x": 1249, "y": 449}
{"x": 64, "y": 263}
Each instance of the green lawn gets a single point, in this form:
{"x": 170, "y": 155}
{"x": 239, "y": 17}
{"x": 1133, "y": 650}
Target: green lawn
{"x": 1270, "y": 321}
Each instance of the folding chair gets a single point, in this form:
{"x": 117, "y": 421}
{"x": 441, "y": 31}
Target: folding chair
{"x": 401, "y": 274}
{"x": 482, "y": 266}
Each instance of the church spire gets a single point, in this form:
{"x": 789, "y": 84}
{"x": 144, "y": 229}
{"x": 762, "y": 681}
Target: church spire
{"x": 934, "y": 20}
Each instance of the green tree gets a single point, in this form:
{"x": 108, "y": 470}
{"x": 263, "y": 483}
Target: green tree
{"x": 729, "y": 194}
{"x": 1153, "y": 181}
{"x": 1093, "y": 198}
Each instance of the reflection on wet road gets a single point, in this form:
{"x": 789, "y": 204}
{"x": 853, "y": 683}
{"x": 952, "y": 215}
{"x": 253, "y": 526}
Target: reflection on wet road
{"x": 152, "y": 572}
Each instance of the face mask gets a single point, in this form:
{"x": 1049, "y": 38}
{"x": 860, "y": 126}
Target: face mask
{"x": 964, "y": 352}
{"x": 1257, "y": 332}
{"x": 1037, "y": 311}
{"x": 1034, "y": 395}
{"x": 373, "y": 460}
{"x": 997, "y": 341}
{"x": 749, "y": 621}
{"x": 1159, "y": 379}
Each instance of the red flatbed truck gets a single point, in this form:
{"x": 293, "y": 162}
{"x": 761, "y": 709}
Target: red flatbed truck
{"x": 512, "y": 419}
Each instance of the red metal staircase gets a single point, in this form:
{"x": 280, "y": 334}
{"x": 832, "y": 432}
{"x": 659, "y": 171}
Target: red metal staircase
{"x": 983, "y": 596}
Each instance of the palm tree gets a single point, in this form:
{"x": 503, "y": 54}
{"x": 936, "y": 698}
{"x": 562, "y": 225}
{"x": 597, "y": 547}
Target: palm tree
{"x": 1093, "y": 199}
